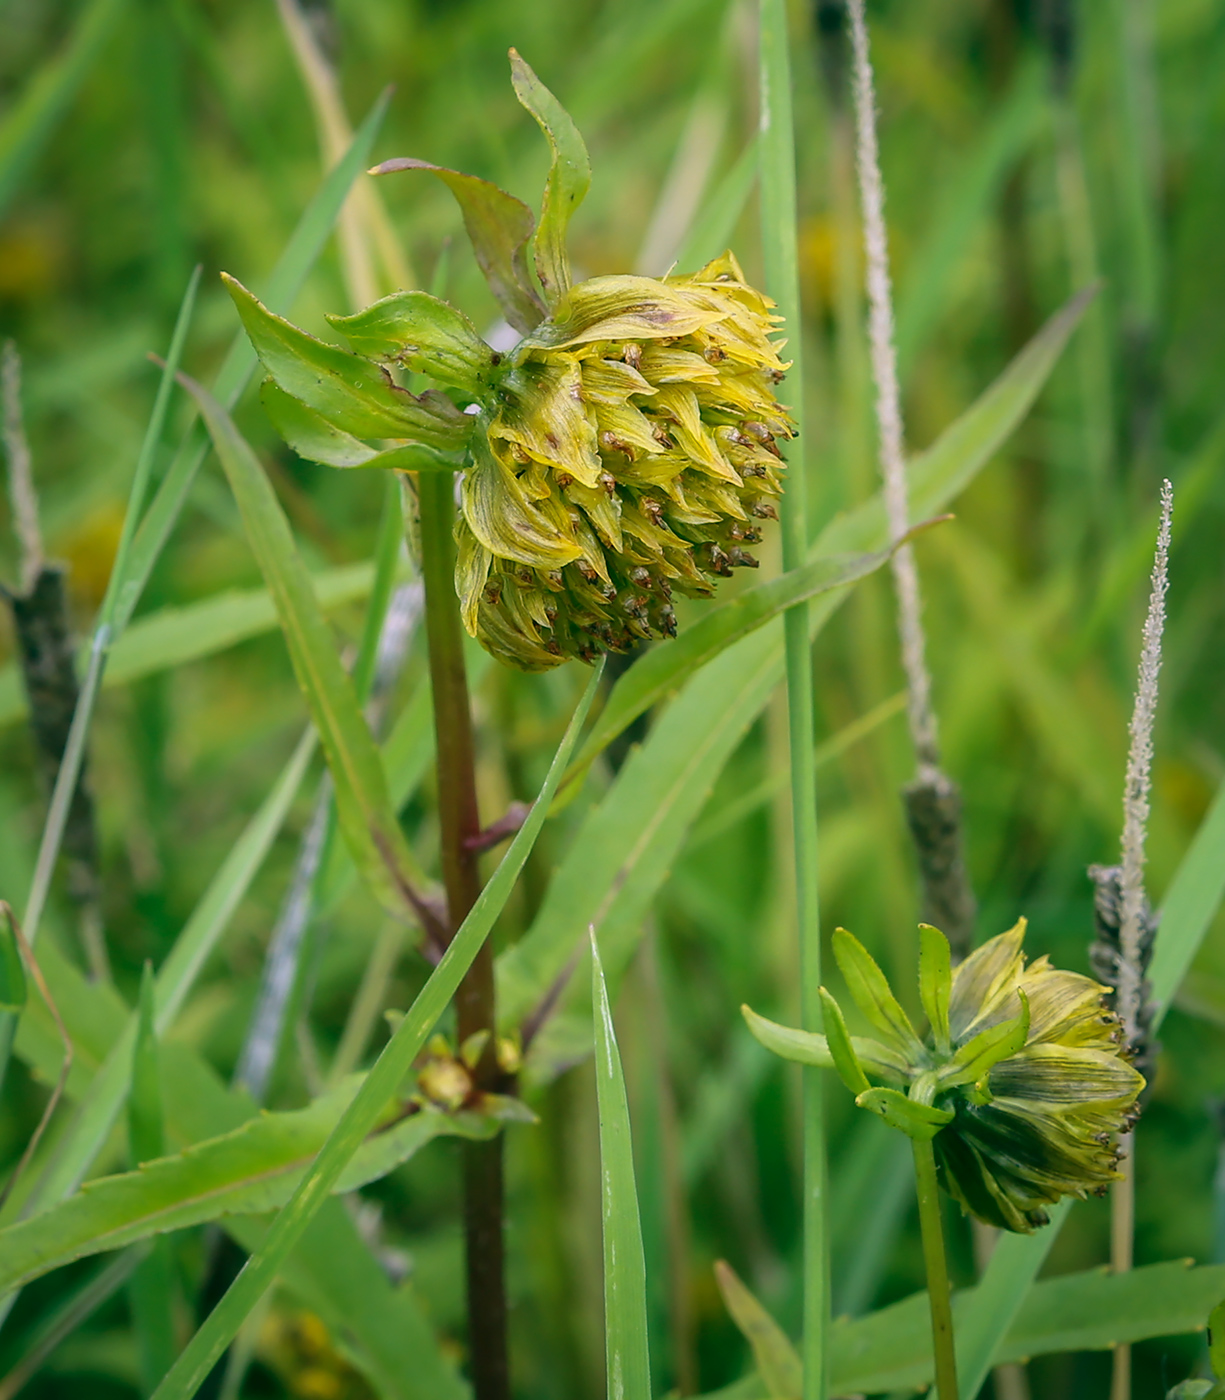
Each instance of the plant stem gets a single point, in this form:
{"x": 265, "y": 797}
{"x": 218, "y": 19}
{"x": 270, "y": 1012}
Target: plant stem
{"x": 780, "y": 253}
{"x": 937, "y": 1271}
{"x": 460, "y": 822}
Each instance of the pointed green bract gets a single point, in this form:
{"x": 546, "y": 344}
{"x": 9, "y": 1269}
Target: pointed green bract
{"x": 313, "y": 437}
{"x": 422, "y": 333}
{"x": 917, "y": 1120}
{"x": 568, "y": 182}
{"x": 351, "y": 393}
{"x": 499, "y": 227}
{"x": 872, "y": 994}
{"x": 625, "y": 1278}
{"x": 842, "y": 1052}
{"x": 935, "y": 982}
{"x": 813, "y": 1048}
{"x": 978, "y": 1056}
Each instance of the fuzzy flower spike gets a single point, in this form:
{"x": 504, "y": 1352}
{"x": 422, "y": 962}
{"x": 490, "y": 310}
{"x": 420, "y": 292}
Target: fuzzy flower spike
{"x": 625, "y": 451}
{"x": 1021, "y": 1084}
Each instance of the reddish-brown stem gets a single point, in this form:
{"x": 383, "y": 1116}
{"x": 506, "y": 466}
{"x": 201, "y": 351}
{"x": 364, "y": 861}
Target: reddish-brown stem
{"x": 484, "y": 1196}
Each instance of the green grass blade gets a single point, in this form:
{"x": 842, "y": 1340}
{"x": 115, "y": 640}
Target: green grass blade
{"x": 778, "y": 1363}
{"x": 1001, "y": 1294}
{"x": 1190, "y": 904}
{"x": 29, "y": 125}
{"x": 626, "y": 1347}
{"x": 150, "y": 1289}
{"x": 717, "y": 219}
{"x": 301, "y": 252}
{"x": 780, "y": 253}
{"x": 366, "y": 817}
{"x": 331, "y": 1271}
{"x": 219, "y": 1329}
{"x": 663, "y": 669}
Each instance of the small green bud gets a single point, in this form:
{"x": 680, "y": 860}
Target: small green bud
{"x": 1022, "y": 1085}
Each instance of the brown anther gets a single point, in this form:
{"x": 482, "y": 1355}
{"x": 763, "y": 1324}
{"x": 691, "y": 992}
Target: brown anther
{"x": 640, "y": 576}
{"x": 564, "y": 479}
{"x": 667, "y": 622}
{"x": 632, "y": 355}
{"x": 763, "y": 510}
{"x": 519, "y": 454}
{"x": 525, "y": 576}
{"x": 652, "y": 508}
{"x": 553, "y": 647}
{"x": 586, "y": 570}
{"x": 714, "y": 354}
{"x": 757, "y": 431}
{"x": 609, "y": 483}
{"x": 610, "y": 442}
{"x": 741, "y": 558}
{"x": 493, "y": 592}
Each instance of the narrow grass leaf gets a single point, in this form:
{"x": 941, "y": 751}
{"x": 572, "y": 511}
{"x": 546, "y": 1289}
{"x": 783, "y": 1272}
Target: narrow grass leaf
{"x": 664, "y": 668}
{"x": 221, "y": 1326}
{"x": 1189, "y": 907}
{"x": 626, "y": 1348}
{"x": 150, "y": 1289}
{"x": 251, "y": 1170}
{"x": 363, "y": 806}
{"x": 778, "y": 1365}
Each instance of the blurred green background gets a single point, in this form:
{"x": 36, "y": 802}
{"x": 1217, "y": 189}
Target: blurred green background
{"x": 1030, "y": 147}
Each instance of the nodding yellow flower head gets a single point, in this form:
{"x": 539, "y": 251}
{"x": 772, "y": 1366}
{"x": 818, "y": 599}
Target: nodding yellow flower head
{"x": 629, "y": 454}
{"x": 623, "y": 453}
{"x": 1021, "y": 1084}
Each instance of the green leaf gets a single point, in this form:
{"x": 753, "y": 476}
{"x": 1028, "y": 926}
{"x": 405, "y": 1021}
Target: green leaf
{"x": 664, "y": 668}
{"x": 917, "y": 1120}
{"x": 499, "y": 226}
{"x": 219, "y": 1329}
{"x": 31, "y": 119}
{"x": 891, "y": 1349}
{"x": 367, "y": 819}
{"x": 1216, "y": 1339}
{"x": 313, "y": 437}
{"x": 331, "y": 1271}
{"x": 873, "y": 995}
{"x": 812, "y": 1048}
{"x": 1190, "y": 904}
{"x": 151, "y": 1286}
{"x": 841, "y": 1051}
{"x": 146, "y": 1131}
{"x": 249, "y": 1171}
{"x": 422, "y": 333}
{"x": 625, "y": 1272}
{"x": 351, "y": 393}
{"x": 778, "y": 1365}
{"x": 568, "y": 182}
{"x": 974, "y": 1060}
{"x": 935, "y": 982}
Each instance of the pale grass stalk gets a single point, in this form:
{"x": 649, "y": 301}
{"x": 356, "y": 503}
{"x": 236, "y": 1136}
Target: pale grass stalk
{"x": 883, "y": 352}
{"x": 1129, "y": 993}
{"x": 364, "y": 229}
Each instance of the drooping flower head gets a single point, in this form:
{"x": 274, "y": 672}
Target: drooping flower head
{"x": 624, "y": 452}
{"x": 1022, "y": 1083}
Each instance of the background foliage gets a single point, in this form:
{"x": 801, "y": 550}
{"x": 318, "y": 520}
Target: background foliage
{"x": 1028, "y": 148}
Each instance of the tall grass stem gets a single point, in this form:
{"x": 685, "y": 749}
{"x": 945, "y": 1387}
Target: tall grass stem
{"x": 780, "y": 253}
